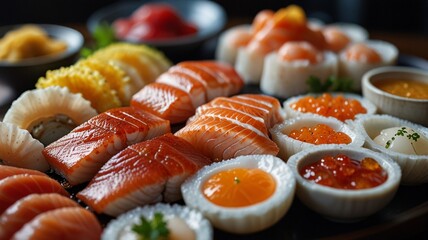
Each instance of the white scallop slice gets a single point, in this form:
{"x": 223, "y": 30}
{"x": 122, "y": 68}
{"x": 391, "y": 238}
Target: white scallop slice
{"x": 19, "y": 149}
{"x": 250, "y": 219}
{"x": 288, "y": 78}
{"x": 414, "y": 167}
{"x": 120, "y": 228}
{"x": 289, "y": 146}
{"x": 225, "y": 51}
{"x": 355, "y": 70}
{"x": 291, "y": 113}
{"x": 49, "y": 113}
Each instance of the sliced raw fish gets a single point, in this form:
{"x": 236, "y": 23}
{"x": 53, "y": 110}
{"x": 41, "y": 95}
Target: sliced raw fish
{"x": 25, "y": 209}
{"x": 68, "y": 223}
{"x": 16, "y": 187}
{"x": 165, "y": 101}
{"x": 7, "y": 171}
{"x": 143, "y": 173}
{"x": 80, "y": 154}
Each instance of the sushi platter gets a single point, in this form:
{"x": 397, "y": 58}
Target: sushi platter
{"x": 260, "y": 133}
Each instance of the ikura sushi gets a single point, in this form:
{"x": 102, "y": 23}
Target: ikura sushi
{"x": 229, "y": 127}
{"x": 80, "y": 154}
{"x": 7, "y": 171}
{"x": 63, "y": 223}
{"x": 49, "y": 113}
{"x": 19, "y": 149}
{"x": 286, "y": 71}
{"x": 143, "y": 173}
{"x": 358, "y": 58}
{"x": 177, "y": 93}
{"x": 16, "y": 187}
{"x": 27, "y": 208}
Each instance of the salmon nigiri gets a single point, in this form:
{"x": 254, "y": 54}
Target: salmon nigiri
{"x": 143, "y": 173}
{"x": 25, "y": 209}
{"x": 16, "y": 187}
{"x": 63, "y": 223}
{"x": 80, "y": 154}
{"x": 7, "y": 171}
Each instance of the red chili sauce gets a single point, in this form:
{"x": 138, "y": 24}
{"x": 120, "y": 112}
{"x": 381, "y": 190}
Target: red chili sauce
{"x": 342, "y": 172}
{"x": 153, "y": 21}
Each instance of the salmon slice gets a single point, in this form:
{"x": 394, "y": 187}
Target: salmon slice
{"x": 143, "y": 173}
{"x": 16, "y": 187}
{"x": 69, "y": 223}
{"x": 164, "y": 101}
{"x": 227, "y": 73}
{"x": 215, "y": 86}
{"x": 187, "y": 83}
{"x": 247, "y": 120}
{"x": 80, "y": 154}
{"x": 25, "y": 209}
{"x": 270, "y": 103}
{"x": 219, "y": 138}
{"x": 7, "y": 171}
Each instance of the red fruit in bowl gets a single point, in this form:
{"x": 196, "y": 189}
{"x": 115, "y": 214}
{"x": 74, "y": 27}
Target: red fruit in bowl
{"x": 158, "y": 15}
{"x": 122, "y": 27}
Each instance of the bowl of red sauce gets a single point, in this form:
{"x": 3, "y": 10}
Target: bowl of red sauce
{"x": 344, "y": 183}
{"x": 176, "y": 27}
{"x": 399, "y": 91}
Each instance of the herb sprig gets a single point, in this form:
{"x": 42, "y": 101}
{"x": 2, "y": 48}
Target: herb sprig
{"x": 156, "y": 229}
{"x": 103, "y": 36}
{"x": 403, "y": 132}
{"x": 331, "y": 84}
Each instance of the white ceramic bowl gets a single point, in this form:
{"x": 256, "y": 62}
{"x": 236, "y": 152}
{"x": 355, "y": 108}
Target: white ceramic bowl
{"x": 414, "y": 167}
{"x": 339, "y": 204}
{"x": 289, "y": 146}
{"x": 414, "y": 110}
{"x": 246, "y": 219}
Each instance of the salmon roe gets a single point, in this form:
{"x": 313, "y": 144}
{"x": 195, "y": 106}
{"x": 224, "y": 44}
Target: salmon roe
{"x": 239, "y": 187}
{"x": 327, "y": 105}
{"x": 345, "y": 173}
{"x": 320, "y": 134}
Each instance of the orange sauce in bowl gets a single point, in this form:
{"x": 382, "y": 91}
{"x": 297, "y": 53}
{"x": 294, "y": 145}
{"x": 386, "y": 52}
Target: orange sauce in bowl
{"x": 239, "y": 187}
{"x": 404, "y": 88}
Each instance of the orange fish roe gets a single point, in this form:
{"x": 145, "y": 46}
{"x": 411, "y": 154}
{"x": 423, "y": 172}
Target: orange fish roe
{"x": 326, "y": 105}
{"x": 320, "y": 134}
{"x": 239, "y": 187}
{"x": 345, "y": 173}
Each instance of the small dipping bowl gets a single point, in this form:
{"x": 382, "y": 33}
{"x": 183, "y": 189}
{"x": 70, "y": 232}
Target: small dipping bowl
{"x": 340, "y": 204}
{"x": 411, "y": 109}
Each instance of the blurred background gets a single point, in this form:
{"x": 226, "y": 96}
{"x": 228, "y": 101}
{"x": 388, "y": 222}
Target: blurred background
{"x": 391, "y": 15}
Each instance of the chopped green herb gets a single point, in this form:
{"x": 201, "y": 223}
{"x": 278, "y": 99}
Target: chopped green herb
{"x": 103, "y": 36}
{"x": 401, "y": 132}
{"x": 331, "y": 84}
{"x": 236, "y": 180}
{"x": 156, "y": 229}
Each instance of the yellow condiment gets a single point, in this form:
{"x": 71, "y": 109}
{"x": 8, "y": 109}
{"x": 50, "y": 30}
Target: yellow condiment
{"x": 404, "y": 88}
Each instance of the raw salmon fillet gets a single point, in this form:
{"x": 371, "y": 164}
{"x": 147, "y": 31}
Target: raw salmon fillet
{"x": 80, "y": 154}
{"x": 219, "y": 138}
{"x": 164, "y": 101}
{"x": 143, "y": 173}
{"x": 68, "y": 223}
{"x": 16, "y": 187}
{"x": 7, "y": 171}
{"x": 25, "y": 209}
{"x": 186, "y": 86}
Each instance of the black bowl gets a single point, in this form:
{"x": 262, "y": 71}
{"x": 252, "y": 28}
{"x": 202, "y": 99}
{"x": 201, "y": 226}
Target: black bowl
{"x": 209, "y": 17}
{"x": 23, "y": 75}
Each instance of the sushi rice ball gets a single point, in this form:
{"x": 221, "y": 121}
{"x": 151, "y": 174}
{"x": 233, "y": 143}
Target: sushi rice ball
{"x": 358, "y": 58}
{"x": 286, "y": 71}
{"x": 230, "y": 41}
{"x": 339, "y": 35}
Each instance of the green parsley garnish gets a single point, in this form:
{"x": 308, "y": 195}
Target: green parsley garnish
{"x": 331, "y": 84}
{"x": 236, "y": 180}
{"x": 156, "y": 229}
{"x": 403, "y": 132}
{"x": 103, "y": 36}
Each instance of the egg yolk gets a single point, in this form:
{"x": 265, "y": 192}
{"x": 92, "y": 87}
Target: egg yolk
{"x": 293, "y": 51}
{"x": 320, "y": 134}
{"x": 345, "y": 173}
{"x": 360, "y": 52}
{"x": 326, "y": 105}
{"x": 335, "y": 38}
{"x": 239, "y": 187}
